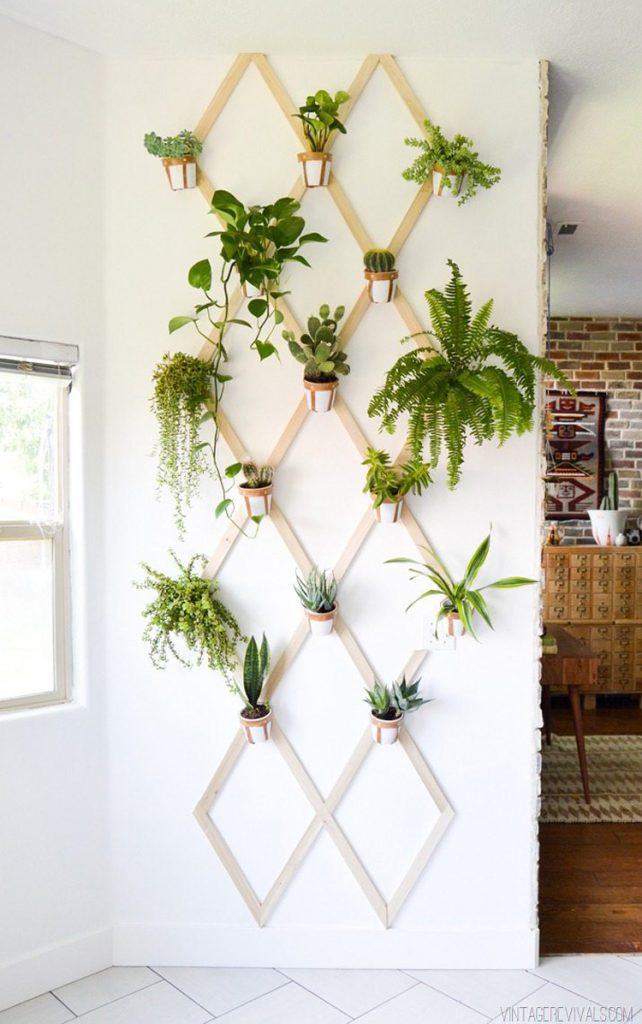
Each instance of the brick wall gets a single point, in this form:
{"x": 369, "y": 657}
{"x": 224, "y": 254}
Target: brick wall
{"x": 605, "y": 354}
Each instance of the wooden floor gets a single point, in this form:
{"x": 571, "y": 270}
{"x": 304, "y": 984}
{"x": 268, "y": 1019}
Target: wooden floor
{"x": 591, "y": 875}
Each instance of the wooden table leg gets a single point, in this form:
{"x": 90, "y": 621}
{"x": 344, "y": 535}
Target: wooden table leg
{"x": 546, "y": 713}
{"x": 574, "y": 696}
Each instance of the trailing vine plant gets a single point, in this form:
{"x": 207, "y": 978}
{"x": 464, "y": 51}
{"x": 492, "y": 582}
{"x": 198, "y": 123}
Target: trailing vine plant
{"x": 458, "y": 161}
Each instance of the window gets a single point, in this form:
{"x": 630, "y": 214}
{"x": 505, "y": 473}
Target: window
{"x": 35, "y": 651}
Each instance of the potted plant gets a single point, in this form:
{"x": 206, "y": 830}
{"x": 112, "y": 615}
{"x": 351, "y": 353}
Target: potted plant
{"x": 256, "y": 489}
{"x": 479, "y": 381}
{"x": 318, "y": 595}
{"x": 455, "y": 168}
{"x": 320, "y": 352}
{"x": 186, "y": 615}
{"x": 319, "y": 115}
{"x": 256, "y": 716}
{"x": 387, "y": 484}
{"x": 608, "y": 520}
{"x": 388, "y": 706}
{"x": 459, "y": 600}
{"x": 380, "y": 274}
{"x": 178, "y": 154}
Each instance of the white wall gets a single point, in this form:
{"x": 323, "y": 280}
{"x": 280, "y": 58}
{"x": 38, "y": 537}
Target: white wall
{"x": 174, "y": 903}
{"x": 54, "y": 880}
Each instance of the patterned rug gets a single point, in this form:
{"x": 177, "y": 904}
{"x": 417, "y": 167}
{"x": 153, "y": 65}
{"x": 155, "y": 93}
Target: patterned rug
{"x": 615, "y": 779}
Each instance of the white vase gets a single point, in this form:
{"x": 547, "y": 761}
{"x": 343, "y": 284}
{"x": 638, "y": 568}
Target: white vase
{"x": 389, "y": 511}
{"x": 385, "y": 731}
{"x": 439, "y": 188}
{"x": 381, "y": 285}
{"x": 321, "y": 623}
{"x": 257, "y": 730}
{"x": 258, "y": 500}
{"x": 606, "y": 524}
{"x": 316, "y": 168}
{"x": 181, "y": 172}
{"x": 320, "y": 396}
{"x": 250, "y": 291}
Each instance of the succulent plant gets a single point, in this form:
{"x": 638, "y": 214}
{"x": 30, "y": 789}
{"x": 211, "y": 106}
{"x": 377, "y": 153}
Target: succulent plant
{"x": 255, "y": 669}
{"x": 319, "y": 349}
{"x": 257, "y": 476}
{"x": 318, "y": 591}
{"x": 379, "y": 261}
{"x": 177, "y": 146}
{"x": 386, "y": 482}
{"x": 396, "y": 700}
{"x": 611, "y": 500}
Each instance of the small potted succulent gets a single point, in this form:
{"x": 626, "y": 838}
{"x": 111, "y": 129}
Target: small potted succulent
{"x": 455, "y": 168}
{"x": 387, "y": 484}
{"x": 256, "y": 489}
{"x": 388, "y": 705}
{"x": 608, "y": 521}
{"x": 318, "y": 595}
{"x": 459, "y": 600}
{"x": 319, "y": 117}
{"x": 320, "y": 352}
{"x": 380, "y": 274}
{"x": 178, "y": 154}
{"x": 256, "y": 716}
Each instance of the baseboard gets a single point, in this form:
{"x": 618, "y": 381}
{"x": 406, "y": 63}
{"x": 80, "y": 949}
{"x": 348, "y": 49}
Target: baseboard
{"x": 54, "y": 966}
{"x": 233, "y": 946}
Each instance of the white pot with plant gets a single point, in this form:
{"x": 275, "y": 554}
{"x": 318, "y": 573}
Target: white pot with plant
{"x": 452, "y": 165}
{"x": 256, "y": 489}
{"x": 318, "y": 595}
{"x": 608, "y": 521}
{"x": 319, "y": 118}
{"x": 388, "y": 705}
{"x": 178, "y": 155}
{"x": 323, "y": 359}
{"x": 387, "y": 484}
{"x": 380, "y": 274}
{"x": 256, "y": 716}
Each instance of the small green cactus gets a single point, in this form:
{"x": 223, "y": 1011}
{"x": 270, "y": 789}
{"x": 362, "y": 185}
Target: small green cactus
{"x": 257, "y": 476}
{"x": 318, "y": 591}
{"x": 319, "y": 349}
{"x": 379, "y": 261}
{"x": 611, "y": 500}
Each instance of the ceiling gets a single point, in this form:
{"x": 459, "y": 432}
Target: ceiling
{"x": 595, "y": 49}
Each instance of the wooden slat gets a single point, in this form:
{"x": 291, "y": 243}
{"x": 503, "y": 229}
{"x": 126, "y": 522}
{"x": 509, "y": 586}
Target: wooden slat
{"x": 411, "y": 217}
{"x": 364, "y": 526}
{"x": 345, "y": 208}
{"x": 222, "y": 95}
{"x": 352, "y": 427}
{"x": 280, "y": 94}
{"x": 401, "y": 84}
{"x": 357, "y": 656}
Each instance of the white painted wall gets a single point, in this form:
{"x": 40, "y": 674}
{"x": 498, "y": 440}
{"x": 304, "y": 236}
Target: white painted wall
{"x": 54, "y": 880}
{"x": 173, "y": 901}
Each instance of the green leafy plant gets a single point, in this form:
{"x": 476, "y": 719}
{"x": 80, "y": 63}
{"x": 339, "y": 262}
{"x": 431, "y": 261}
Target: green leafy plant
{"x": 256, "y": 476}
{"x": 479, "y": 381}
{"x": 455, "y": 158}
{"x": 185, "y": 611}
{"x": 177, "y": 146}
{"x": 390, "y": 702}
{"x": 459, "y": 597}
{"x": 256, "y": 666}
{"x": 319, "y": 349}
{"x": 611, "y": 500}
{"x": 319, "y": 115}
{"x": 317, "y": 592}
{"x": 387, "y": 482}
{"x": 379, "y": 261}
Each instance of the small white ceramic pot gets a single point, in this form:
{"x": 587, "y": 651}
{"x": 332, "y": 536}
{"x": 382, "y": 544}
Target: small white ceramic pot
{"x": 381, "y": 285}
{"x": 320, "y": 396}
{"x": 385, "y": 731}
{"x": 316, "y": 168}
{"x": 250, "y": 291}
{"x": 454, "y": 625}
{"x": 389, "y": 511}
{"x": 257, "y": 730}
{"x": 180, "y": 171}
{"x": 606, "y": 524}
{"x": 258, "y": 500}
{"x": 321, "y": 623}
{"x": 438, "y": 189}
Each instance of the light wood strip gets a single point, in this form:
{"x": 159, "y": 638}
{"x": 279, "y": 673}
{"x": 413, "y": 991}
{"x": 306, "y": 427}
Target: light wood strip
{"x": 216, "y": 783}
{"x": 354, "y": 318}
{"x": 411, "y": 217}
{"x": 286, "y": 659}
{"x": 205, "y": 186}
{"x": 418, "y": 865}
{"x": 359, "y": 82}
{"x": 361, "y": 876}
{"x": 352, "y": 427}
{"x": 357, "y": 656}
{"x": 412, "y": 666}
{"x": 278, "y": 90}
{"x": 290, "y": 869}
{"x": 345, "y": 208}
{"x": 232, "y": 440}
{"x": 401, "y": 84}
{"x": 363, "y": 529}
{"x": 423, "y": 771}
{"x": 407, "y": 314}
{"x": 227, "y": 541}
{"x": 222, "y": 95}
{"x": 292, "y": 428}
{"x": 232, "y": 867}
{"x": 291, "y": 541}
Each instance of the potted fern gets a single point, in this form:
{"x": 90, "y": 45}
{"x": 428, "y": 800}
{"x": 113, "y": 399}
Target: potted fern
{"x": 320, "y": 352}
{"x": 318, "y": 595}
{"x": 256, "y": 489}
{"x": 256, "y": 716}
{"x": 380, "y": 274}
{"x": 319, "y": 115}
{"x": 608, "y": 520}
{"x": 387, "y": 484}
{"x": 479, "y": 381}
{"x": 388, "y": 705}
{"x": 459, "y": 601}
{"x": 178, "y": 155}
{"x": 455, "y": 168}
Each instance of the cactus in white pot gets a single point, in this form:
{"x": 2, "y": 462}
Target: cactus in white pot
{"x": 608, "y": 520}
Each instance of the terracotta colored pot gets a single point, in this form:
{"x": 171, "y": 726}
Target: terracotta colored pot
{"x": 454, "y": 625}
{"x": 385, "y": 731}
{"x": 257, "y": 730}
{"x": 320, "y": 396}
{"x": 438, "y": 175}
{"x": 258, "y": 500}
{"x": 381, "y": 284}
{"x": 180, "y": 171}
{"x": 389, "y": 511}
{"x": 321, "y": 623}
{"x": 316, "y": 168}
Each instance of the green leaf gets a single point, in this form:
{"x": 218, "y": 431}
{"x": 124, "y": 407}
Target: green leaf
{"x": 179, "y": 321}
{"x": 476, "y": 562}
{"x": 233, "y": 470}
{"x": 257, "y": 307}
{"x": 286, "y": 232}
{"x": 203, "y": 444}
{"x": 265, "y": 349}
{"x": 223, "y": 507}
{"x": 257, "y": 519}
{"x": 311, "y": 236}
{"x": 223, "y": 378}
{"x": 508, "y": 582}
{"x": 200, "y": 275}
{"x": 278, "y": 316}
{"x": 206, "y": 417}
{"x": 241, "y": 323}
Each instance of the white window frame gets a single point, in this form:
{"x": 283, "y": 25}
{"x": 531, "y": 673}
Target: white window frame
{"x": 49, "y": 359}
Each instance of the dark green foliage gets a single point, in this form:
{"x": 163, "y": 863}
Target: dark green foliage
{"x": 181, "y": 145}
{"x": 475, "y": 380}
{"x": 457, "y": 159}
{"x": 319, "y": 350}
{"x": 379, "y": 261}
{"x": 392, "y": 482}
{"x": 611, "y": 500}
{"x": 255, "y": 669}
{"x": 319, "y": 117}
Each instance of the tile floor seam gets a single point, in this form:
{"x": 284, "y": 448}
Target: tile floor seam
{"x": 191, "y": 998}
{"x": 312, "y": 993}
{"x": 249, "y": 1002}
{"x": 397, "y": 996}
{"x": 118, "y": 999}
{"x": 571, "y": 991}
{"x": 455, "y": 999}
{"x": 63, "y": 1003}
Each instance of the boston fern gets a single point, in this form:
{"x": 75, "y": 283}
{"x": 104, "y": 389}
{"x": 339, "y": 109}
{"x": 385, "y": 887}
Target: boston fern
{"x": 475, "y": 379}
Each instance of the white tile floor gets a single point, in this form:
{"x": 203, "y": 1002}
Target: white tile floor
{"x": 236, "y": 995}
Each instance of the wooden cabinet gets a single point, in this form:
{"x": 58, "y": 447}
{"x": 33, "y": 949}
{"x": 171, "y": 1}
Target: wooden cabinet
{"x": 597, "y": 594}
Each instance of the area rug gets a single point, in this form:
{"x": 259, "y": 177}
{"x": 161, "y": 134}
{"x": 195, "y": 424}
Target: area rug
{"x": 615, "y": 779}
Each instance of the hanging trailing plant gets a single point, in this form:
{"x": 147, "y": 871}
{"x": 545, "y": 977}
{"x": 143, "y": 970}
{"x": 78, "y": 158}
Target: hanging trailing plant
{"x": 474, "y": 380}
{"x": 453, "y": 164}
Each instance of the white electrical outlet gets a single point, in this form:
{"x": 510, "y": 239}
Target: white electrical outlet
{"x": 429, "y": 642}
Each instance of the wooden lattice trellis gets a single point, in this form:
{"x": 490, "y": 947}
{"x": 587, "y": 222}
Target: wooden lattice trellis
{"x": 323, "y": 807}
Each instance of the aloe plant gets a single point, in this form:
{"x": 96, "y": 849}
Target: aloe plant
{"x": 396, "y": 700}
{"x": 318, "y": 591}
